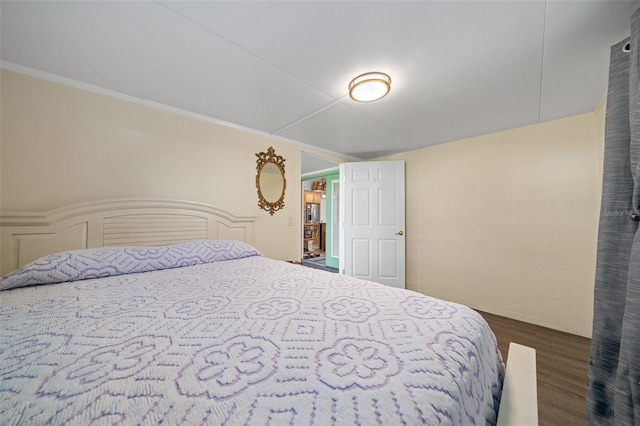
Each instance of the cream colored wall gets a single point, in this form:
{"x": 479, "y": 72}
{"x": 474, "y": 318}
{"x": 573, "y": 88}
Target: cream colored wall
{"x": 62, "y": 145}
{"x": 507, "y": 222}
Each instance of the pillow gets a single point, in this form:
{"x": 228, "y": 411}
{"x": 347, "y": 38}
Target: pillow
{"x": 109, "y": 261}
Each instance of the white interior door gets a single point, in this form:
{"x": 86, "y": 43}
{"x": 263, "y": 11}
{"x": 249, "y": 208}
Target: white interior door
{"x": 372, "y": 216}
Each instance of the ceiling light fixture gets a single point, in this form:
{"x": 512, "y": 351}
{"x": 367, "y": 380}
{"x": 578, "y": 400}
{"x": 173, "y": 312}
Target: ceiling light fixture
{"x": 369, "y": 87}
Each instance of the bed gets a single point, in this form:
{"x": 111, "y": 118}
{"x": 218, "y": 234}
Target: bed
{"x": 209, "y": 331}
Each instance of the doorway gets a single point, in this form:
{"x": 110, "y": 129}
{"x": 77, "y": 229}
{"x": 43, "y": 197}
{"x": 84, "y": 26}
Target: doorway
{"x": 361, "y": 211}
{"x": 319, "y": 210}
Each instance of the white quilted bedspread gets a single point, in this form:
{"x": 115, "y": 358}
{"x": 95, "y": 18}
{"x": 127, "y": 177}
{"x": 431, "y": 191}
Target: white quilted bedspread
{"x": 247, "y": 341}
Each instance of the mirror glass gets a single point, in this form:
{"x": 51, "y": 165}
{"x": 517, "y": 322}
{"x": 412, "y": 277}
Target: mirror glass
{"x": 271, "y": 182}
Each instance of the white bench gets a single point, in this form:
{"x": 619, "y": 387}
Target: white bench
{"x": 519, "y": 402}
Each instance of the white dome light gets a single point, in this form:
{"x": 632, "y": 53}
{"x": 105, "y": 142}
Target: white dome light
{"x": 369, "y": 87}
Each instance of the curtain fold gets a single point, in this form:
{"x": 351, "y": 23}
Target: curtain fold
{"x": 613, "y": 396}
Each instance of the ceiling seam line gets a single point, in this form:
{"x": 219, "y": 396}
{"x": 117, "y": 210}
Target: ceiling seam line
{"x": 240, "y": 47}
{"x": 392, "y": 129}
{"x": 544, "y": 35}
{"x": 293, "y": 123}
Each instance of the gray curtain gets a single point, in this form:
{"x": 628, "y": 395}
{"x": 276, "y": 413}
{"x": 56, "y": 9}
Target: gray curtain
{"x": 613, "y": 396}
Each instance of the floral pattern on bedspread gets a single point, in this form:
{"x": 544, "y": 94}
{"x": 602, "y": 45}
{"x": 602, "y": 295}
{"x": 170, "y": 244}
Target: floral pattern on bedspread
{"x": 247, "y": 341}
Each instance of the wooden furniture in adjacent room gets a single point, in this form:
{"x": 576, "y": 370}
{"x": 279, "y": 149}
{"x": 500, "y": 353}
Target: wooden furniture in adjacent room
{"x": 311, "y": 238}
{"x": 312, "y": 197}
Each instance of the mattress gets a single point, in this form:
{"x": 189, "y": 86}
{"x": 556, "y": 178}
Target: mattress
{"x": 212, "y": 332}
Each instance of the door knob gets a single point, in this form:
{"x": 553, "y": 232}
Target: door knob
{"x": 400, "y": 233}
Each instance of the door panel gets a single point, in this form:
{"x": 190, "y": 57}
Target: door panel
{"x": 360, "y": 175}
{"x": 362, "y": 258}
{"x": 362, "y": 215}
{"x": 388, "y": 207}
{"x": 388, "y": 263}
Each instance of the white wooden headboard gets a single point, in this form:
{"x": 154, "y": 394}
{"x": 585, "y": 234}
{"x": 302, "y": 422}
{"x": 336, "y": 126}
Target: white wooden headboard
{"x": 27, "y": 236}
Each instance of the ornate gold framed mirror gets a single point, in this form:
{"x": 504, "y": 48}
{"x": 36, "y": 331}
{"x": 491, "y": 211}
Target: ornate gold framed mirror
{"x": 270, "y": 181}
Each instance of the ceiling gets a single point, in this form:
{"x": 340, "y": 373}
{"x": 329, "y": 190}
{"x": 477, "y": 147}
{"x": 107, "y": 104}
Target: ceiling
{"x": 458, "y": 69}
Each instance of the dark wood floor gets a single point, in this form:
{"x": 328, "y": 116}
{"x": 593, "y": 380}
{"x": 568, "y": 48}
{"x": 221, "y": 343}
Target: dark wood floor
{"x": 312, "y": 263}
{"x": 561, "y": 360}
